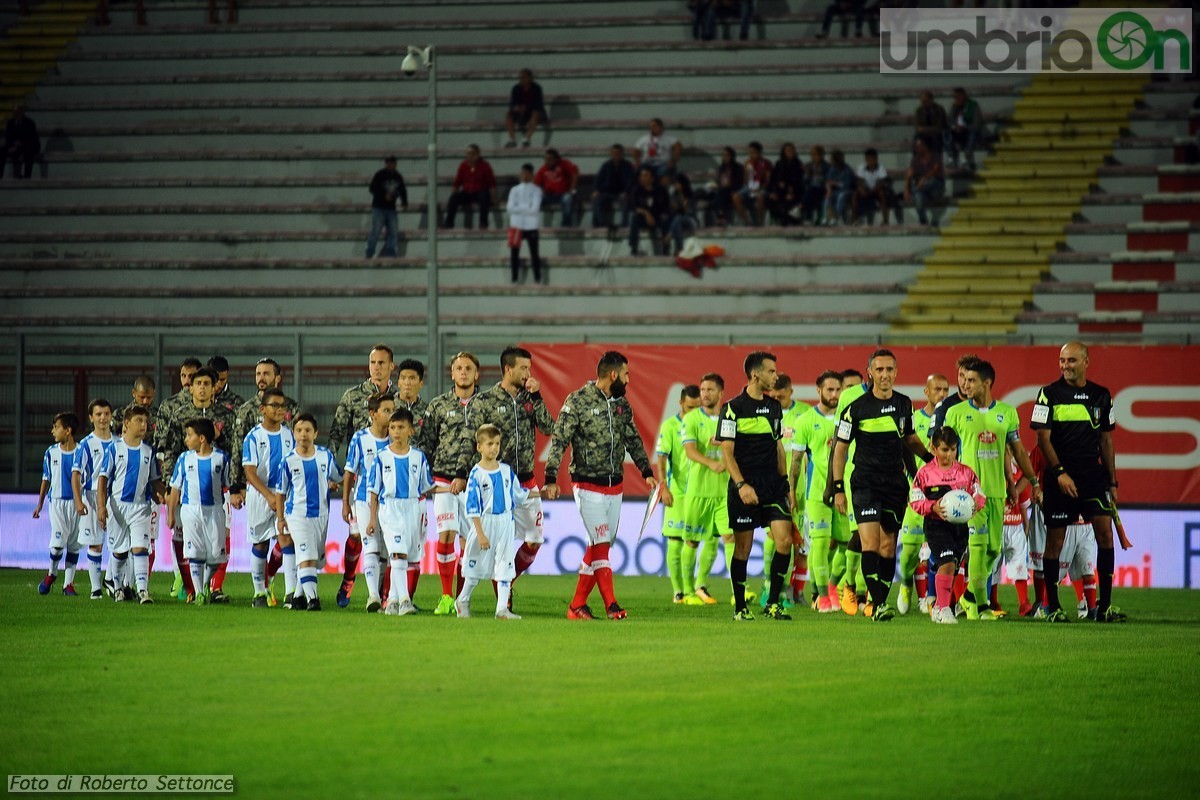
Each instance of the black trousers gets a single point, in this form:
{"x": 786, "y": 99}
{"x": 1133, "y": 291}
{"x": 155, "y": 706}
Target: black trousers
{"x": 531, "y": 237}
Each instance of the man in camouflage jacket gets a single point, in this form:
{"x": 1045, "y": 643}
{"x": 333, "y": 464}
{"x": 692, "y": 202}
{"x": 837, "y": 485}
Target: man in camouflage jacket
{"x": 267, "y": 375}
{"x": 352, "y": 415}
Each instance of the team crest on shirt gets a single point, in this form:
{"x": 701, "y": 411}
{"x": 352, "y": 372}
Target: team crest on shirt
{"x": 1000, "y": 418}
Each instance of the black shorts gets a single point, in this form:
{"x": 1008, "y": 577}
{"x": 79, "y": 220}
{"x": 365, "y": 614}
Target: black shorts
{"x": 1093, "y": 499}
{"x": 772, "y": 491}
{"x": 947, "y": 542}
{"x": 878, "y": 501}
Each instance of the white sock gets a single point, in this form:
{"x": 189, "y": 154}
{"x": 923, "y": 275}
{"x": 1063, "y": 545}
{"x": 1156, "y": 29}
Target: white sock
{"x": 108, "y": 568}
{"x": 400, "y": 579}
{"x": 197, "y": 570}
{"x": 503, "y": 588}
{"x": 209, "y": 571}
{"x": 55, "y": 555}
{"x": 129, "y": 575}
{"x": 258, "y": 571}
{"x": 468, "y": 589}
{"x": 308, "y": 582}
{"x": 118, "y": 569}
{"x": 289, "y": 569}
{"x": 69, "y": 570}
{"x": 370, "y": 568}
{"x": 141, "y": 571}
{"x": 94, "y": 571}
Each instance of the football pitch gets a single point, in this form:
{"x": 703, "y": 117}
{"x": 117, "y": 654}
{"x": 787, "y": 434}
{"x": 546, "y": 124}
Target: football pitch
{"x": 675, "y": 702}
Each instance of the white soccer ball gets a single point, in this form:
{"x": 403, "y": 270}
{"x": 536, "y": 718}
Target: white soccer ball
{"x": 958, "y": 506}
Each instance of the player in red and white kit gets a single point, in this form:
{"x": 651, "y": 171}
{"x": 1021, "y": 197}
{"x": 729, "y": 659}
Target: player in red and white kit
{"x": 1014, "y": 549}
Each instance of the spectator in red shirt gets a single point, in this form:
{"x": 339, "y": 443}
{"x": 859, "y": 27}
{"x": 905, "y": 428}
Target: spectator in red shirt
{"x": 473, "y": 183}
{"x": 758, "y": 176}
{"x": 558, "y": 178}
{"x": 525, "y": 108}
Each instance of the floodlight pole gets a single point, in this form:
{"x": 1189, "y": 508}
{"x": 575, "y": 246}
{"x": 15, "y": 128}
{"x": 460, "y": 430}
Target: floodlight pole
{"x": 434, "y": 368}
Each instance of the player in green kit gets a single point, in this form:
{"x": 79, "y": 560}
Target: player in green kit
{"x": 912, "y": 531}
{"x": 705, "y": 514}
{"x": 792, "y": 411}
{"x": 673, "y": 467}
{"x": 852, "y": 585}
{"x": 825, "y": 528}
{"x": 986, "y": 427}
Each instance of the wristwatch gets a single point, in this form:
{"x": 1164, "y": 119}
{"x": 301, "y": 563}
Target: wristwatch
{"x": 739, "y": 484}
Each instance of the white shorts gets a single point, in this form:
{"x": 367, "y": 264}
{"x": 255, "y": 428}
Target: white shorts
{"x": 1015, "y": 552}
{"x": 601, "y": 514}
{"x": 1079, "y": 551}
{"x": 358, "y": 527}
{"x": 260, "y": 517}
{"x": 403, "y": 524}
{"x": 308, "y": 537}
{"x": 64, "y": 525}
{"x": 90, "y": 532}
{"x": 527, "y": 516}
{"x": 129, "y": 526}
{"x": 1037, "y": 537}
{"x": 204, "y": 533}
{"x": 450, "y": 511}
{"x": 497, "y": 562}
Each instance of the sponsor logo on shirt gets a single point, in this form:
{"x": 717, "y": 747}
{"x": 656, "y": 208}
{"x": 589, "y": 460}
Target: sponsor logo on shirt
{"x": 987, "y": 437}
{"x": 887, "y": 410}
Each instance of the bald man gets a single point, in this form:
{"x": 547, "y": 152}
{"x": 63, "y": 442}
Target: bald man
{"x": 912, "y": 533}
{"x": 1074, "y": 421}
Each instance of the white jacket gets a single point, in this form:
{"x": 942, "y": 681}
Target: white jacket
{"x": 524, "y": 205}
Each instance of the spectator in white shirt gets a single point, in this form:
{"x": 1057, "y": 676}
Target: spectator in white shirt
{"x": 524, "y": 208}
{"x": 657, "y": 150}
{"x": 874, "y": 189}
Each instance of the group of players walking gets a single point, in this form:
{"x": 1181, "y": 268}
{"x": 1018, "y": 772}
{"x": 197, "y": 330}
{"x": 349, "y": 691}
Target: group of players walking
{"x": 828, "y": 483}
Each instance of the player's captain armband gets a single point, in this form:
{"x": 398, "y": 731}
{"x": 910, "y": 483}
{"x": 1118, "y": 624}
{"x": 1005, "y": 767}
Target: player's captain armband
{"x": 728, "y": 428}
{"x": 1041, "y": 414}
{"x": 844, "y": 430}
{"x": 1112, "y": 416}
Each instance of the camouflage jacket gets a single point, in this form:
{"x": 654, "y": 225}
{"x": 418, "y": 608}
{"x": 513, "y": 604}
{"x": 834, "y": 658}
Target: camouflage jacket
{"x": 169, "y": 444}
{"x": 182, "y": 397}
{"x": 599, "y": 430}
{"x": 230, "y": 399}
{"x": 418, "y": 409}
{"x": 118, "y": 420}
{"x": 516, "y": 417}
{"x": 249, "y": 414}
{"x": 441, "y": 433}
{"x": 352, "y": 415}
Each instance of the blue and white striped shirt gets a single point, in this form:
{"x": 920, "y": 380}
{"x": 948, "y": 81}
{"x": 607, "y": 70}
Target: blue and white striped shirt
{"x": 405, "y": 477}
{"x": 89, "y": 459}
{"x": 265, "y": 450}
{"x": 201, "y": 480}
{"x": 361, "y": 456}
{"x": 56, "y": 471}
{"x": 129, "y": 471}
{"x": 304, "y": 482}
{"x": 494, "y": 493}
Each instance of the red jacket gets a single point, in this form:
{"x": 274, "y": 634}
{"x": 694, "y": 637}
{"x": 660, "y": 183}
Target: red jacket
{"x": 557, "y": 180}
{"x": 478, "y": 178}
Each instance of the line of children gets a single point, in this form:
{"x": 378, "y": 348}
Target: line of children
{"x": 57, "y": 466}
{"x": 197, "y": 501}
{"x": 128, "y": 492}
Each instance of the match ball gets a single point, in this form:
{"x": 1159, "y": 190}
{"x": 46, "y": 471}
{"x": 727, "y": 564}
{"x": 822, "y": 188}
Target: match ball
{"x": 958, "y": 506}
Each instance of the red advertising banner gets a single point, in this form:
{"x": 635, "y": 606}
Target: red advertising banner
{"x": 1156, "y": 397}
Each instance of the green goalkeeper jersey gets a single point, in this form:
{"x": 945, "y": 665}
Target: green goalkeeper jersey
{"x": 701, "y": 429}
{"x": 921, "y": 425}
{"x": 985, "y": 433}
{"x": 670, "y": 444}
{"x": 791, "y": 418}
{"x": 814, "y": 436}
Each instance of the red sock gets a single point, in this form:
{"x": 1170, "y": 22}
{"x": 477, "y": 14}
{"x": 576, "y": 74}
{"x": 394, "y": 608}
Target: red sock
{"x": 587, "y": 581}
{"x": 350, "y": 555}
{"x": 922, "y": 579}
{"x": 944, "y": 585}
{"x": 181, "y": 565}
{"x": 1022, "y": 593}
{"x": 445, "y": 563}
{"x": 460, "y": 582}
{"x": 1089, "y": 590}
{"x": 414, "y": 575}
{"x": 274, "y": 561}
{"x": 602, "y": 569}
{"x": 1039, "y": 589}
{"x": 799, "y": 579}
{"x": 385, "y": 584}
{"x": 218, "y": 578}
{"x": 1078, "y": 585}
{"x": 994, "y": 598}
{"x": 960, "y": 586}
{"x": 524, "y": 558}
{"x": 151, "y": 557}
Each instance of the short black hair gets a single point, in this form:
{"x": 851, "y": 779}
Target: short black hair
{"x": 827, "y": 375}
{"x": 755, "y": 146}
{"x": 219, "y": 363}
{"x": 68, "y": 420}
{"x": 510, "y": 354}
{"x": 713, "y": 377}
{"x": 691, "y": 390}
{"x": 755, "y": 360}
{"x": 611, "y": 360}
{"x": 527, "y": 167}
{"x": 191, "y": 362}
{"x": 414, "y": 365}
{"x": 272, "y": 392}
{"x": 206, "y": 372}
{"x": 203, "y": 427}
{"x": 984, "y": 370}
{"x": 882, "y": 352}
{"x": 401, "y": 415}
{"x": 306, "y": 417}
{"x": 782, "y": 381}
{"x": 378, "y": 399}
{"x": 944, "y": 435}
{"x": 851, "y": 373}
{"x": 553, "y": 151}
{"x": 871, "y": 151}
{"x": 101, "y": 402}
{"x": 272, "y": 362}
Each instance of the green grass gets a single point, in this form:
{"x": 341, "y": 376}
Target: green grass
{"x": 676, "y": 702}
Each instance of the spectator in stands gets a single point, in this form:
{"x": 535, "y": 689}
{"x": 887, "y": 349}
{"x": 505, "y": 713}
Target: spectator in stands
{"x": 754, "y": 192}
{"x": 231, "y": 14}
{"x": 386, "y": 188}
{"x": 929, "y": 122}
{"x": 786, "y": 186}
{"x": 102, "y": 17}
{"x": 839, "y": 188}
{"x": 843, "y": 8}
{"x": 22, "y": 145}
{"x": 657, "y": 150}
{"x": 731, "y": 176}
{"x": 705, "y": 13}
{"x": 874, "y": 189}
{"x": 525, "y": 108}
{"x": 524, "y": 207}
{"x": 965, "y": 128}
{"x": 613, "y": 182}
{"x": 816, "y": 180}
{"x": 650, "y": 209}
{"x": 683, "y": 222}
{"x": 473, "y": 183}
{"x": 925, "y": 183}
{"x": 558, "y": 178}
